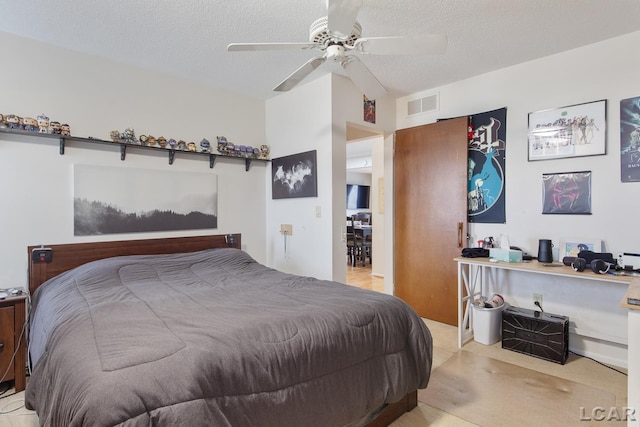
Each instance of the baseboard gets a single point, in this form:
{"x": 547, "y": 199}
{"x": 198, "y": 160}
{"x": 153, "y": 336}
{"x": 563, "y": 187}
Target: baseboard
{"x": 603, "y": 351}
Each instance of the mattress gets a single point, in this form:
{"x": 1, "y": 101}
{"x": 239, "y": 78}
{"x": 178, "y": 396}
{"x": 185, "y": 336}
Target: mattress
{"x": 214, "y": 338}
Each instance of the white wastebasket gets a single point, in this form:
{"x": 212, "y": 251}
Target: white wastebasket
{"x": 487, "y": 324}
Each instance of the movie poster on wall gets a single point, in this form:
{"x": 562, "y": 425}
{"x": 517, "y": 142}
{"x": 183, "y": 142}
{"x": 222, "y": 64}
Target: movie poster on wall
{"x": 630, "y": 139}
{"x": 486, "y": 167}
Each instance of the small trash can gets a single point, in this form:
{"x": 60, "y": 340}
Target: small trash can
{"x": 487, "y": 323}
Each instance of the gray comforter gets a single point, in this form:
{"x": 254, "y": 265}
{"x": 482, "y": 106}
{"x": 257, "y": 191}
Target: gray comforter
{"x": 214, "y": 338}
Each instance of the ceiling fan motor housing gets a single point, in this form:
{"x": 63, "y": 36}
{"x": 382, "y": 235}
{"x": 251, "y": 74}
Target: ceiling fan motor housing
{"x": 319, "y": 33}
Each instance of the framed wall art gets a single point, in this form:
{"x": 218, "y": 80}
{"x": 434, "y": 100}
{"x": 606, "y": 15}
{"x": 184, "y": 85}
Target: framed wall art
{"x": 369, "y": 109}
{"x": 572, "y": 131}
{"x": 112, "y": 200}
{"x": 294, "y": 176}
{"x": 566, "y": 193}
{"x": 572, "y": 246}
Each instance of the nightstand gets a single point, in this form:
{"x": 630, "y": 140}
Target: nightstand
{"x": 13, "y": 339}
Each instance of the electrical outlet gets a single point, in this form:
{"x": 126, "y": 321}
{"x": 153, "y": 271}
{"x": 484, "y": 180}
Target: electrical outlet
{"x": 537, "y": 298}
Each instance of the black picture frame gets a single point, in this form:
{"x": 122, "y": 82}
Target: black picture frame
{"x": 572, "y": 131}
{"x": 294, "y": 176}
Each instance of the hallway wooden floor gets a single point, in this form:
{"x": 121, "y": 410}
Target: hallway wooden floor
{"x": 361, "y": 277}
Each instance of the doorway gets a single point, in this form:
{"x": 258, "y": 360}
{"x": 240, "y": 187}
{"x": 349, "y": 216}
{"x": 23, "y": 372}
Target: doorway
{"x": 364, "y": 174}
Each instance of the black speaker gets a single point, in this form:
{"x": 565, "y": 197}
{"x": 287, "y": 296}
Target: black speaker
{"x": 537, "y": 334}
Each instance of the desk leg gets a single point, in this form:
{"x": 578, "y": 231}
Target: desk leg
{"x": 470, "y": 280}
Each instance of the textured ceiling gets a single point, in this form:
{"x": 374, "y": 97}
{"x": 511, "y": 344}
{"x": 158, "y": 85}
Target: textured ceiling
{"x": 189, "y": 38}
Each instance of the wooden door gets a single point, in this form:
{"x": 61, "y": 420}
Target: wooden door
{"x": 430, "y": 211}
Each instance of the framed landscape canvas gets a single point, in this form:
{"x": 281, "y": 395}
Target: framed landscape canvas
{"x": 109, "y": 200}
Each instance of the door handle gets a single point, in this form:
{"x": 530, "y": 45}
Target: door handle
{"x": 460, "y": 227}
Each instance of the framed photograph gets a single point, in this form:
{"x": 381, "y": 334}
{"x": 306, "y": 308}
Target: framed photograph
{"x": 294, "y": 176}
{"x": 566, "y": 193}
{"x": 572, "y": 246}
{"x": 369, "y": 109}
{"x": 572, "y": 131}
{"x": 116, "y": 200}
{"x": 630, "y": 139}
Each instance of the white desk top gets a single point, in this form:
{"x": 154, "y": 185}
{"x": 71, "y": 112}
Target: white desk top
{"x": 559, "y": 269}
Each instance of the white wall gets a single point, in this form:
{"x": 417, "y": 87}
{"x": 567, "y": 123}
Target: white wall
{"x": 300, "y": 121}
{"x": 96, "y": 96}
{"x": 604, "y": 70}
{"x": 330, "y": 103}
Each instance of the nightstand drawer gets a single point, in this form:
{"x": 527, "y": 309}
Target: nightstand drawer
{"x": 7, "y": 340}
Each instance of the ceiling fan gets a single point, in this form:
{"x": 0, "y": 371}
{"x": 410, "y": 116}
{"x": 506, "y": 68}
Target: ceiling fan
{"x": 337, "y": 35}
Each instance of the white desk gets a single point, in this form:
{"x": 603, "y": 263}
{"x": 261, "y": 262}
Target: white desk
{"x": 476, "y": 274}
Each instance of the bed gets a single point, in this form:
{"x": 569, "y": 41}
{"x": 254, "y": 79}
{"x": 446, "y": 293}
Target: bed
{"x": 193, "y": 331}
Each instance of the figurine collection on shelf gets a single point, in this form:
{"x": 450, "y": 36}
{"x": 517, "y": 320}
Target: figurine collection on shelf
{"x": 224, "y": 147}
{"x": 40, "y": 124}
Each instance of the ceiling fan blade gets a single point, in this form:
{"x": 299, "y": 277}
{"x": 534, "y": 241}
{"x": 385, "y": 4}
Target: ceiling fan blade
{"x": 363, "y": 78}
{"x": 239, "y": 47}
{"x": 341, "y": 15}
{"x": 298, "y": 75}
{"x": 425, "y": 44}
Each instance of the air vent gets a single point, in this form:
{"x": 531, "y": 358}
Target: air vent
{"x": 422, "y": 105}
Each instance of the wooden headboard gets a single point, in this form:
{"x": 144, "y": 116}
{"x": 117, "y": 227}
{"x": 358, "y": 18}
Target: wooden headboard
{"x": 68, "y": 256}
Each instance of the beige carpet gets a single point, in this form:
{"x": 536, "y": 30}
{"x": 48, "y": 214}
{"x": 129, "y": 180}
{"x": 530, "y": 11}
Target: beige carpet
{"x": 472, "y": 387}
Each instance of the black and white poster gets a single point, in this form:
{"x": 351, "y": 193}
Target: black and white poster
{"x": 109, "y": 200}
{"x": 294, "y": 176}
{"x": 630, "y": 139}
{"x": 486, "y": 171}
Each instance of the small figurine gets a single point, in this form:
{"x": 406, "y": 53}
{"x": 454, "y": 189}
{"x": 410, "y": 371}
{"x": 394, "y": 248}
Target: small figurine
{"x": 30, "y": 124}
{"x": 162, "y": 141}
{"x": 115, "y": 135}
{"x": 129, "y": 136}
{"x": 65, "y": 129}
{"x": 14, "y": 122}
{"x": 205, "y": 145}
{"x": 143, "y": 139}
{"x": 172, "y": 144}
{"x": 43, "y": 123}
{"x": 222, "y": 145}
{"x": 3, "y": 124}
{"x": 54, "y": 127}
{"x": 151, "y": 141}
{"x": 182, "y": 145}
{"x": 191, "y": 146}
{"x": 264, "y": 152}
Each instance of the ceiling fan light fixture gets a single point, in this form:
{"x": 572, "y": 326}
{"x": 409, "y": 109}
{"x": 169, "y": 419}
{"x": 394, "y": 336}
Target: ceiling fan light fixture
{"x": 335, "y": 52}
{"x": 320, "y": 34}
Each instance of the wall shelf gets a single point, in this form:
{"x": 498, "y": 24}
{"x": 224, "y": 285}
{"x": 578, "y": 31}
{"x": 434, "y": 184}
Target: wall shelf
{"x": 64, "y": 139}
